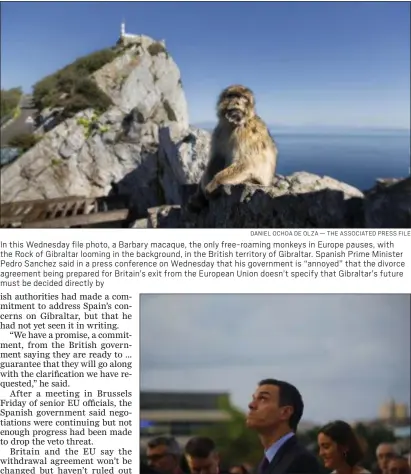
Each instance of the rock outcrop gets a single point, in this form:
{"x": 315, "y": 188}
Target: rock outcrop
{"x": 141, "y": 147}
{"x": 388, "y": 205}
{"x": 302, "y": 200}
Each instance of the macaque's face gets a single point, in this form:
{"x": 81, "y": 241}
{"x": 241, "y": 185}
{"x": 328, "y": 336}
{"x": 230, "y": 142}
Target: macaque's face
{"x": 236, "y": 105}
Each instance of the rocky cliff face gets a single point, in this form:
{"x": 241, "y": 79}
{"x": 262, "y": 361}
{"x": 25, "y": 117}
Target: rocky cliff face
{"x": 302, "y": 200}
{"x": 142, "y": 146}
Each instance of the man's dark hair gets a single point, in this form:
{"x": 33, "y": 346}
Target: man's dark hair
{"x": 200, "y": 447}
{"x": 289, "y": 395}
{"x": 342, "y": 434}
{"x": 172, "y": 445}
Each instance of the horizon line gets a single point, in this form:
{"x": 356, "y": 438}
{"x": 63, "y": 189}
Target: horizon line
{"x": 322, "y": 127}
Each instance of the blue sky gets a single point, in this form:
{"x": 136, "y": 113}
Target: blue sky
{"x": 309, "y": 63}
{"x": 347, "y": 354}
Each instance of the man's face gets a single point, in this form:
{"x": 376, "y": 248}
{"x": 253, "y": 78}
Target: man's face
{"x": 398, "y": 466}
{"x": 384, "y": 453}
{"x": 161, "y": 460}
{"x": 264, "y": 410}
{"x": 208, "y": 465}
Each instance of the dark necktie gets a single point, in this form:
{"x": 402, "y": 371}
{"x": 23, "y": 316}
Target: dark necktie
{"x": 264, "y": 466}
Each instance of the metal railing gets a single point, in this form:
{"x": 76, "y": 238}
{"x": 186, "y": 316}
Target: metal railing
{"x": 72, "y": 211}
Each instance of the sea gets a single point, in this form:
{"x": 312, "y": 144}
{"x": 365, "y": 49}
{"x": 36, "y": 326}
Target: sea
{"x": 356, "y": 158}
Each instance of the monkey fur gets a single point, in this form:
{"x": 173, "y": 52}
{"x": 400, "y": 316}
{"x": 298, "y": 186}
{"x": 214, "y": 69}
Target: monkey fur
{"x": 242, "y": 149}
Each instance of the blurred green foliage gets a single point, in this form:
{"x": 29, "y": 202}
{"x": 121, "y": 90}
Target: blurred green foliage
{"x": 10, "y": 99}
{"x": 72, "y": 87}
{"x": 24, "y": 141}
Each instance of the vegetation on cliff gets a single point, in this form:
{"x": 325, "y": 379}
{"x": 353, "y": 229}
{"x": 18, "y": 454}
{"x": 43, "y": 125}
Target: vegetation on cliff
{"x": 10, "y": 99}
{"x": 91, "y": 125}
{"x": 24, "y": 141}
{"x": 72, "y": 87}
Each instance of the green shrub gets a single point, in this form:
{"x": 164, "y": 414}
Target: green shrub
{"x": 25, "y": 141}
{"x": 65, "y": 82}
{"x": 74, "y": 104}
{"x": 91, "y": 125}
{"x": 10, "y": 99}
{"x": 74, "y": 80}
{"x": 85, "y": 94}
{"x": 56, "y": 162}
{"x": 156, "y": 48}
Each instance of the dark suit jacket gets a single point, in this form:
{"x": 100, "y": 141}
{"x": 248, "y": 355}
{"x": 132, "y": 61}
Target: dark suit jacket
{"x": 146, "y": 469}
{"x": 293, "y": 458}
